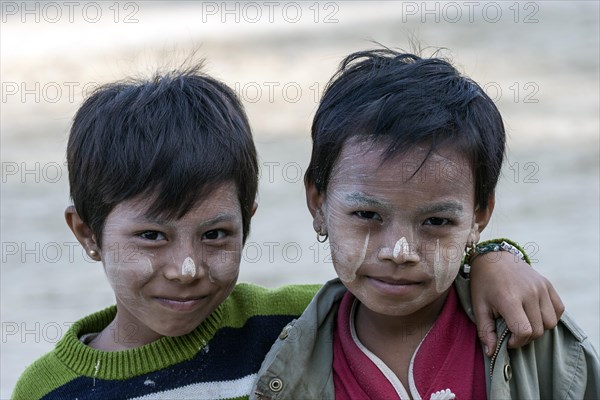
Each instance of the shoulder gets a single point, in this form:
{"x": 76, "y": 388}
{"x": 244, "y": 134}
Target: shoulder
{"x": 567, "y": 338}
{"x": 566, "y": 363}
{"x": 50, "y": 371}
{"x": 573, "y": 342}
{"x": 249, "y": 300}
{"x": 289, "y": 292}
{"x": 302, "y": 355}
{"x": 42, "y": 377}
{"x": 573, "y": 329}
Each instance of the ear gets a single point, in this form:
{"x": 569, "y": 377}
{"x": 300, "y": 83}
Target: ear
{"x": 82, "y": 232}
{"x": 254, "y": 207}
{"x": 315, "y": 201}
{"x": 483, "y": 216}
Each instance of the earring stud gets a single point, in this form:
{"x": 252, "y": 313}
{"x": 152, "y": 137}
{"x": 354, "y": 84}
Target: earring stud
{"x": 93, "y": 253}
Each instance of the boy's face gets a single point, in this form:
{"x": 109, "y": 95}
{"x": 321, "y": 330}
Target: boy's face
{"x": 397, "y": 239}
{"x": 168, "y": 276}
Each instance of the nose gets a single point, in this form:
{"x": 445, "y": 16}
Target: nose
{"x": 400, "y": 250}
{"x": 184, "y": 268}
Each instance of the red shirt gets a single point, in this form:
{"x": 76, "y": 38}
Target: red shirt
{"x": 448, "y": 361}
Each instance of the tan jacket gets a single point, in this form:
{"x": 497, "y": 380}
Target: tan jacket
{"x": 562, "y": 364}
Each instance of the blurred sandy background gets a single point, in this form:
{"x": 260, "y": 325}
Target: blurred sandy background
{"x": 538, "y": 59}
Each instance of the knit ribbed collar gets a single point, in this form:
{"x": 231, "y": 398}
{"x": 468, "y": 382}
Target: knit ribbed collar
{"x": 164, "y": 352}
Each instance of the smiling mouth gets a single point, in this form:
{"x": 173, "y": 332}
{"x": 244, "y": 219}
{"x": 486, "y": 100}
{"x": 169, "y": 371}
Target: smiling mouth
{"x": 396, "y": 282}
{"x": 180, "y": 304}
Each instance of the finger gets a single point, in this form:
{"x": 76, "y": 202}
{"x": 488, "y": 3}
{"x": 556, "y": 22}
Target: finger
{"x": 486, "y": 329}
{"x": 526, "y": 327}
{"x": 550, "y": 314}
{"x": 557, "y": 303}
{"x": 516, "y": 314}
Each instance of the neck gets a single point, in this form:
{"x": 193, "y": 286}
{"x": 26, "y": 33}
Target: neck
{"x": 118, "y": 337}
{"x": 393, "y": 326}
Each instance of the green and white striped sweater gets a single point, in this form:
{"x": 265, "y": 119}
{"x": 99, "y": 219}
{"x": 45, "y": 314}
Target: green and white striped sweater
{"x": 218, "y": 360}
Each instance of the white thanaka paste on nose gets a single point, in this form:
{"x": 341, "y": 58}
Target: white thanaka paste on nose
{"x": 188, "y": 267}
{"x": 350, "y": 275}
{"x": 401, "y": 247}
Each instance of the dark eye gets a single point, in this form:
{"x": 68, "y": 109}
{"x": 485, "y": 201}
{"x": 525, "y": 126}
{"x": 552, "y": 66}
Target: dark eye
{"x": 368, "y": 215}
{"x": 152, "y": 235}
{"x": 214, "y": 234}
{"x": 435, "y": 221}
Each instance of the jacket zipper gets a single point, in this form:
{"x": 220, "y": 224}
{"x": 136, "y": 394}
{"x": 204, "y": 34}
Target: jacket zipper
{"x": 493, "y": 359}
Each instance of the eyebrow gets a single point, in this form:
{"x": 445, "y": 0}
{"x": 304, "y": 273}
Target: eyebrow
{"x": 359, "y": 198}
{"x": 221, "y": 217}
{"x": 447, "y": 206}
{"x": 362, "y": 199}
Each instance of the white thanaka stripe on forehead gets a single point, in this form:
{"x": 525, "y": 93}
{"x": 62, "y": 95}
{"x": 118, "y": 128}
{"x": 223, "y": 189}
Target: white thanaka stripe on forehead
{"x": 188, "y": 268}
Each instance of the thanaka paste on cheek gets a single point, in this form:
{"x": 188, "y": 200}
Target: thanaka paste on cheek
{"x": 443, "y": 276}
{"x": 121, "y": 273}
{"x": 188, "y": 268}
{"x": 437, "y": 267}
{"x": 349, "y": 275}
{"x": 225, "y": 266}
{"x": 147, "y": 269}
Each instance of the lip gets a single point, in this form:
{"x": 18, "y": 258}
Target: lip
{"x": 394, "y": 287}
{"x": 180, "y": 304}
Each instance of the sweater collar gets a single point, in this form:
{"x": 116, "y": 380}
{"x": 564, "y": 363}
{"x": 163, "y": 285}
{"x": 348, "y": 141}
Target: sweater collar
{"x": 164, "y": 352}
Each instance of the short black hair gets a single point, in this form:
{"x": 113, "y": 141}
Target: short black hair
{"x": 175, "y": 137}
{"x": 405, "y": 100}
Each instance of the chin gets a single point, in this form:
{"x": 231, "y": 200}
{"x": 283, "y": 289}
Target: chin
{"x": 178, "y": 330}
{"x": 395, "y": 311}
